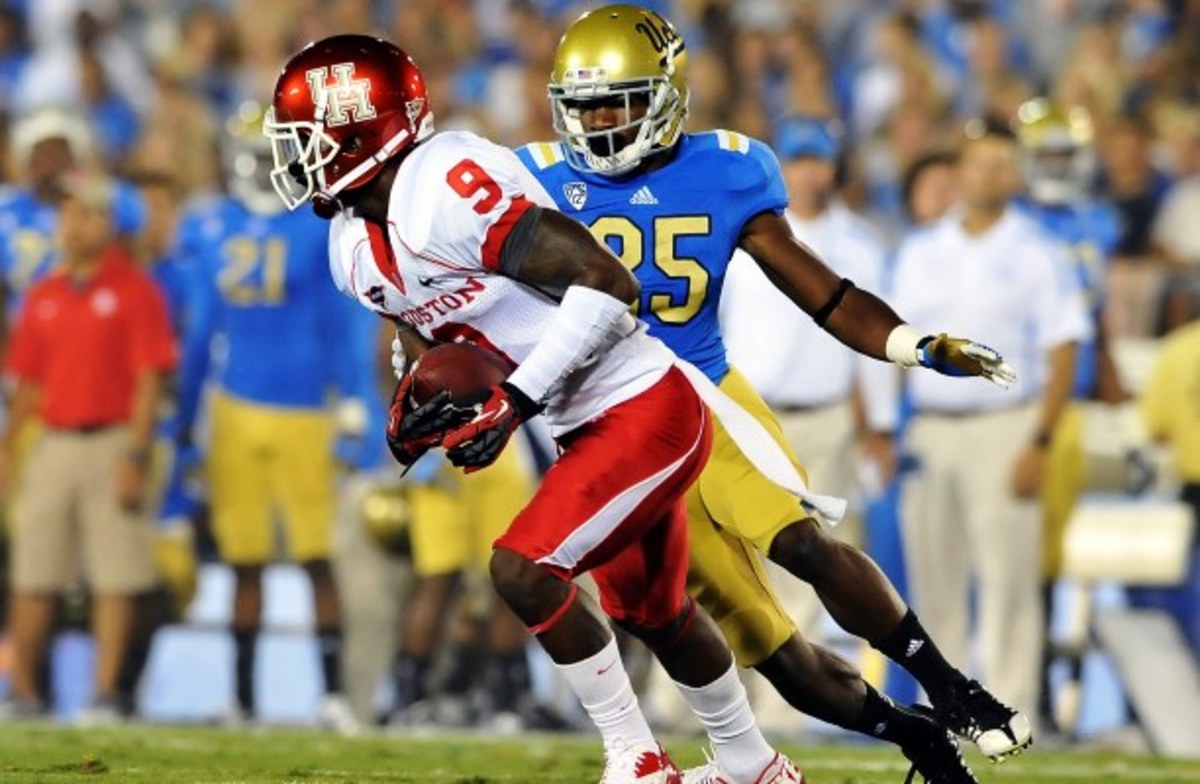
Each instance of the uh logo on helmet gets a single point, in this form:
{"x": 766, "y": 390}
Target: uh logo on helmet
{"x": 342, "y": 107}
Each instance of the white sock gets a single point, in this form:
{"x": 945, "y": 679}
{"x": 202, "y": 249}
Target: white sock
{"x": 602, "y": 685}
{"x": 722, "y": 707}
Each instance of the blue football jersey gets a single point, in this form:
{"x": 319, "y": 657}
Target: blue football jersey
{"x": 28, "y": 235}
{"x": 261, "y": 283}
{"x": 368, "y": 451}
{"x": 676, "y": 227}
{"x": 28, "y": 244}
{"x": 1091, "y": 231}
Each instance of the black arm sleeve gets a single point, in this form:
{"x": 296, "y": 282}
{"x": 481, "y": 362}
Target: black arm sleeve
{"x": 518, "y": 242}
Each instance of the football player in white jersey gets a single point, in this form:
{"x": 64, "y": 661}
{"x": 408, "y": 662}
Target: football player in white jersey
{"x": 449, "y": 236}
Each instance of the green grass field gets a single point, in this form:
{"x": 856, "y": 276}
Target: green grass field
{"x": 45, "y": 753}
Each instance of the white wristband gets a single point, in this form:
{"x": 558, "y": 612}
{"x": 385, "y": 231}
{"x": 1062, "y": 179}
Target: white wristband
{"x": 583, "y": 320}
{"x": 902, "y": 346}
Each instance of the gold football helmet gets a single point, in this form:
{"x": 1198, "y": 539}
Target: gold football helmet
{"x": 246, "y": 159}
{"x": 1057, "y": 151}
{"x": 619, "y": 53}
{"x": 386, "y": 516}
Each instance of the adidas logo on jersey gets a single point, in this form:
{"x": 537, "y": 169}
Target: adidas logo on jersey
{"x": 914, "y": 646}
{"x": 643, "y": 196}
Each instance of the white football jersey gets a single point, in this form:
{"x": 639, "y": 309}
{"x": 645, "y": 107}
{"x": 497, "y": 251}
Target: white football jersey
{"x": 436, "y": 269}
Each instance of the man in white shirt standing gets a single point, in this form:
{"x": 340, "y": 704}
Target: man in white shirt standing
{"x": 827, "y": 397}
{"x": 979, "y": 451}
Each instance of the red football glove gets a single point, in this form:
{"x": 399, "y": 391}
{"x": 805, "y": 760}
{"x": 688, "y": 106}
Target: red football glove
{"x": 411, "y": 432}
{"x": 479, "y": 442}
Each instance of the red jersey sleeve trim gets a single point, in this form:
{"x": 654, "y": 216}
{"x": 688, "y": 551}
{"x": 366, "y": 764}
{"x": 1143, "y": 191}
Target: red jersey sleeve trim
{"x": 498, "y": 232}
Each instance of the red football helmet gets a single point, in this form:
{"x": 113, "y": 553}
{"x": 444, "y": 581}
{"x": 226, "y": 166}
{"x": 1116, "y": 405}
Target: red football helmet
{"x": 343, "y": 106}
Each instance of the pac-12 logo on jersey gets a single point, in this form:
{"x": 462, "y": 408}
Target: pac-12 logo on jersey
{"x": 576, "y": 193}
{"x": 344, "y": 97}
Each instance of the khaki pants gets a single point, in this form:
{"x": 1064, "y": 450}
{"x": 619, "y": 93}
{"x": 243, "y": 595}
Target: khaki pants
{"x": 372, "y": 588}
{"x": 67, "y": 507}
{"x": 960, "y": 522}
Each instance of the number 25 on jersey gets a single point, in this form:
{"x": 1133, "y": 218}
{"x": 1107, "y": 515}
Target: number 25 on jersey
{"x": 668, "y": 229}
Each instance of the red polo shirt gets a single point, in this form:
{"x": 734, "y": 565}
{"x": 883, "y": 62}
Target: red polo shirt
{"x": 85, "y": 344}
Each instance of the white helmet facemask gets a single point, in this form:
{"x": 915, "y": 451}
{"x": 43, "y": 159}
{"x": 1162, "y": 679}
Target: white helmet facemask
{"x": 1057, "y": 167}
{"x": 604, "y": 152}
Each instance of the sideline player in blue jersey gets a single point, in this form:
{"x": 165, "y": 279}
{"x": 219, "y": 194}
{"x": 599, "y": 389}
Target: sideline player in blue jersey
{"x": 46, "y": 143}
{"x": 257, "y": 278}
{"x": 674, "y": 206}
{"x": 1059, "y": 161}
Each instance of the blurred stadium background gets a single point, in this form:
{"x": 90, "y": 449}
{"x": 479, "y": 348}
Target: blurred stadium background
{"x": 157, "y": 82}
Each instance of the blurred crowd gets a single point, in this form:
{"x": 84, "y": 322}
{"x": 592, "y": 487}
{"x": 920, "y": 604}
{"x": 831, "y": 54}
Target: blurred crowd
{"x": 163, "y": 88}
{"x": 157, "y": 78}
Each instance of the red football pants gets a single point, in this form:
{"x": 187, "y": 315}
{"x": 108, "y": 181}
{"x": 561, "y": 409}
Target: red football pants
{"x": 613, "y": 505}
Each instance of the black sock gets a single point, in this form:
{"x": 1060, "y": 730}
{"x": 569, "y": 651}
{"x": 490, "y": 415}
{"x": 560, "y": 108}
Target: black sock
{"x": 329, "y": 641}
{"x": 508, "y": 679}
{"x": 244, "y": 643}
{"x": 411, "y": 674}
{"x": 910, "y": 647}
{"x": 460, "y": 670}
{"x": 881, "y": 718}
{"x": 1045, "y": 699}
{"x": 137, "y": 654}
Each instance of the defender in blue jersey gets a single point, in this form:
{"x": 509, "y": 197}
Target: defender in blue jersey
{"x": 283, "y": 384}
{"x": 673, "y": 206}
{"x": 1059, "y": 163}
{"x": 47, "y": 143}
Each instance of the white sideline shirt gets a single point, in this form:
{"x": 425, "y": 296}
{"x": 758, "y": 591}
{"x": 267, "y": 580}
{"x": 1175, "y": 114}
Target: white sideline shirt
{"x": 788, "y": 358}
{"x": 1011, "y": 288}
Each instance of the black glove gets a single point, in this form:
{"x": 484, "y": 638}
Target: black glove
{"x": 479, "y": 442}
{"x": 411, "y": 432}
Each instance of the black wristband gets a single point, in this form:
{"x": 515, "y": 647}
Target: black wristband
{"x": 826, "y": 310}
{"x": 526, "y": 406}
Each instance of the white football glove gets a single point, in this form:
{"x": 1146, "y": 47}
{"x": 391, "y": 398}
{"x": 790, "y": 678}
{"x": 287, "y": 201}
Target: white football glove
{"x": 350, "y": 417}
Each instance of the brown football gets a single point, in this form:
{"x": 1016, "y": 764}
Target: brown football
{"x": 465, "y": 369}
